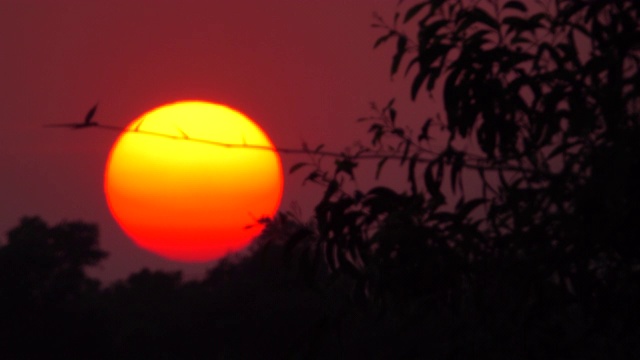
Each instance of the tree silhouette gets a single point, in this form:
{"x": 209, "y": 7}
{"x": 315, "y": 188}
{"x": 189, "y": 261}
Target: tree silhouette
{"x": 41, "y": 263}
{"x": 45, "y": 292}
{"x": 541, "y": 108}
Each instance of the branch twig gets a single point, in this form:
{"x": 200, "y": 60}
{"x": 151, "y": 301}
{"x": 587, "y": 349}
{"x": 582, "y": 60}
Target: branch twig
{"x": 361, "y": 156}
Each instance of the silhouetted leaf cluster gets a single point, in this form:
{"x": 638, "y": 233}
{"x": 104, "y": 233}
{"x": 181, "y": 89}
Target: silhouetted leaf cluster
{"x": 541, "y": 121}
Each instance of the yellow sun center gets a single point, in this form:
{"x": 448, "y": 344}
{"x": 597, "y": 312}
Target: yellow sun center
{"x": 176, "y": 191}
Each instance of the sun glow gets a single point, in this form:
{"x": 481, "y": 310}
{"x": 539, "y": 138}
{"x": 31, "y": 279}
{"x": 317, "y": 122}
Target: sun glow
{"x": 179, "y": 195}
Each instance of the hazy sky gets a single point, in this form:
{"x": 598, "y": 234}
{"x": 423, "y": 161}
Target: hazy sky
{"x": 304, "y": 70}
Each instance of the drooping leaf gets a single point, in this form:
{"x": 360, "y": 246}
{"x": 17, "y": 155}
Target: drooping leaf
{"x": 330, "y": 256}
{"x": 535, "y": 20}
{"x": 417, "y": 83}
{"x": 312, "y": 176}
{"x": 467, "y": 207}
{"x": 563, "y": 148}
{"x": 297, "y": 166}
{"x": 389, "y": 105}
{"x": 572, "y": 8}
{"x": 456, "y": 168}
{"x": 398, "y": 132}
{"x": 433, "y": 180}
{"x": 451, "y": 94}
{"x": 380, "y": 165}
{"x": 378, "y": 130}
{"x": 515, "y": 23}
{"x": 424, "y": 132}
{"x": 392, "y": 115}
{"x": 414, "y": 10}
{"x": 415, "y": 61}
{"x": 435, "y": 75}
{"x": 517, "y": 5}
{"x": 476, "y": 41}
{"x": 382, "y": 191}
{"x": 427, "y": 33}
{"x": 519, "y": 40}
{"x": 487, "y": 138}
{"x": 381, "y": 40}
{"x": 594, "y": 9}
{"x": 405, "y": 153}
{"x": 435, "y": 6}
{"x": 401, "y": 49}
{"x": 477, "y": 15}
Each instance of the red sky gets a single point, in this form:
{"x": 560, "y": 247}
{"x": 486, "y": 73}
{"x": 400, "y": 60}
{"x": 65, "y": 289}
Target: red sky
{"x": 304, "y": 70}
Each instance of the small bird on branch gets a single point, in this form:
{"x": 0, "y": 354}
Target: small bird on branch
{"x": 87, "y": 121}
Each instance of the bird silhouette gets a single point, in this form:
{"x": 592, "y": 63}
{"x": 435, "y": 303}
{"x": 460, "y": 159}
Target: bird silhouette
{"x": 87, "y": 121}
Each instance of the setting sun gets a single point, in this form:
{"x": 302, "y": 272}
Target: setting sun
{"x": 177, "y": 192}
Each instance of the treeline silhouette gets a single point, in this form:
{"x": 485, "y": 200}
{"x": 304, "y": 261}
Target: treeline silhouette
{"x": 272, "y": 303}
{"x": 248, "y": 306}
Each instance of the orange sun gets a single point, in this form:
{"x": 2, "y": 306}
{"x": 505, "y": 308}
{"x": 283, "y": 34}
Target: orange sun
{"x": 178, "y": 193}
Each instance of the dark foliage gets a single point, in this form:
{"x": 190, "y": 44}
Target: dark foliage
{"x": 544, "y": 260}
{"x": 248, "y": 306}
{"x": 44, "y": 291}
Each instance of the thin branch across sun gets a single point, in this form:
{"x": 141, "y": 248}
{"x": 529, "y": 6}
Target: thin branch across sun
{"x": 383, "y": 126}
{"x": 178, "y": 197}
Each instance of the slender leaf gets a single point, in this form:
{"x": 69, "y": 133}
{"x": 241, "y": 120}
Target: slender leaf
{"x": 417, "y": 83}
{"x": 297, "y": 166}
{"x": 424, "y": 132}
{"x": 392, "y": 115}
{"x": 563, "y": 149}
{"x": 405, "y": 153}
{"x": 432, "y": 182}
{"x": 478, "y": 15}
{"x": 517, "y": 5}
{"x": 380, "y": 165}
{"x": 401, "y": 49}
{"x": 469, "y": 206}
{"x": 414, "y": 10}
{"x": 381, "y": 40}
{"x": 427, "y": 33}
{"x": 456, "y": 168}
